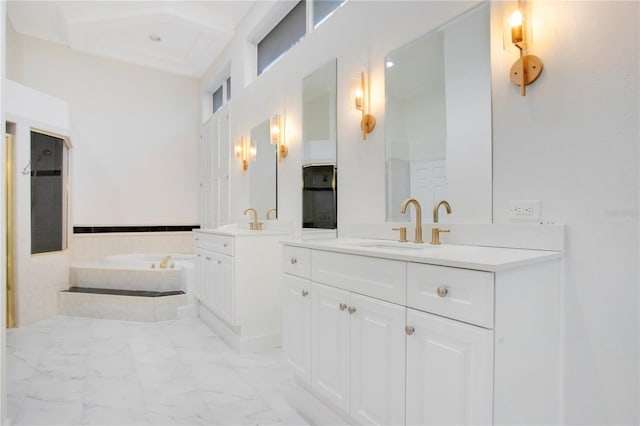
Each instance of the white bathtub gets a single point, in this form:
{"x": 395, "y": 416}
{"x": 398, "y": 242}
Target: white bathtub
{"x": 138, "y": 272}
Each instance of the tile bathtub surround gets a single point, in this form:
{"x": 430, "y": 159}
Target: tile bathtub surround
{"x": 82, "y": 371}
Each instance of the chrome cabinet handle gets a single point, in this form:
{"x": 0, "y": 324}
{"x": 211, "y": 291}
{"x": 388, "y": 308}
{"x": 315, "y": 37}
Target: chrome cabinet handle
{"x": 343, "y": 306}
{"x": 208, "y": 258}
{"x": 351, "y": 310}
{"x": 294, "y": 260}
{"x": 225, "y": 245}
{"x": 219, "y": 262}
{"x": 305, "y": 293}
{"x": 409, "y": 330}
{"x": 442, "y": 291}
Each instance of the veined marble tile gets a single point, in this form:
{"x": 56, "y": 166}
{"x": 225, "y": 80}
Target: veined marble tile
{"x": 101, "y": 415}
{"x": 120, "y": 393}
{"x": 34, "y": 411}
{"x": 56, "y": 389}
{"x": 77, "y": 371}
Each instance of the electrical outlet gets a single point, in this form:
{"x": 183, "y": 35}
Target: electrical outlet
{"x": 524, "y": 209}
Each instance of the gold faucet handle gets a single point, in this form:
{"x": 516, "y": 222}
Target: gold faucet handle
{"x": 435, "y": 235}
{"x": 403, "y": 233}
{"x": 260, "y": 225}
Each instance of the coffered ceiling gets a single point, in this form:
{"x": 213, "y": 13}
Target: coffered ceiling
{"x": 180, "y": 37}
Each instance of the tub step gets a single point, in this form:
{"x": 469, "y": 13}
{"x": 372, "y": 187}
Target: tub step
{"x": 117, "y": 278}
{"x": 128, "y": 305}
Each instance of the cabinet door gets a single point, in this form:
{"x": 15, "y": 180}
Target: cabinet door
{"x": 199, "y": 266}
{"x": 330, "y": 344}
{"x": 296, "y": 326}
{"x": 204, "y": 276}
{"x": 223, "y": 297}
{"x": 449, "y": 372}
{"x": 377, "y": 361}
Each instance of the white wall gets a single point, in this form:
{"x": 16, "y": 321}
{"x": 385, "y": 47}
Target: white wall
{"x": 572, "y": 143}
{"x": 3, "y": 231}
{"x": 134, "y": 131}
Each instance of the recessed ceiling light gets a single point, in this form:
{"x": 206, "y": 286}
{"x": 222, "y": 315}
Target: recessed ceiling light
{"x": 155, "y": 37}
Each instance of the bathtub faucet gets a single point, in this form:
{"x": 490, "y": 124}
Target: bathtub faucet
{"x": 164, "y": 262}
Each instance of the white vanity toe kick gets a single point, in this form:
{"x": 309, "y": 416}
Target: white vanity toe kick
{"x": 491, "y": 259}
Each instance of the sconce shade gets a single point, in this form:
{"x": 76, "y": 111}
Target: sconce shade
{"x": 516, "y": 28}
{"x": 274, "y": 129}
{"x": 275, "y": 132}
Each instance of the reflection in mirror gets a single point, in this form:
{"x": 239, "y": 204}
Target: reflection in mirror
{"x": 438, "y": 121}
{"x": 263, "y": 185}
{"x": 319, "y": 120}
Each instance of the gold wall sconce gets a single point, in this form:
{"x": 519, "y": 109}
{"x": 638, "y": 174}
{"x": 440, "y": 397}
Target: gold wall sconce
{"x": 527, "y": 68}
{"x": 275, "y": 133}
{"x": 245, "y": 151}
{"x": 368, "y": 122}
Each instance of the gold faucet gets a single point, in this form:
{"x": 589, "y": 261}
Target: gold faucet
{"x": 435, "y": 232}
{"x": 164, "y": 262}
{"x": 269, "y": 213}
{"x": 254, "y": 225}
{"x": 418, "y": 238}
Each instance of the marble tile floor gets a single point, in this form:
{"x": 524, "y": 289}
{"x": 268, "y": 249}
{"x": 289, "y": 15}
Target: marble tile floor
{"x": 86, "y": 371}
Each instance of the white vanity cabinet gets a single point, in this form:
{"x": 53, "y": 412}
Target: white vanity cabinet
{"x": 238, "y": 285}
{"x": 449, "y": 371}
{"x": 424, "y": 338}
{"x": 358, "y": 354}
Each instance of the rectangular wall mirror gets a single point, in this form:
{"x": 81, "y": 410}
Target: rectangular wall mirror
{"x": 319, "y": 166}
{"x": 263, "y": 173}
{"x": 438, "y": 121}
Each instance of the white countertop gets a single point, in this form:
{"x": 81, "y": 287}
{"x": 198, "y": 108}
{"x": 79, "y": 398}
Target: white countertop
{"x": 492, "y": 259}
{"x": 235, "y": 232}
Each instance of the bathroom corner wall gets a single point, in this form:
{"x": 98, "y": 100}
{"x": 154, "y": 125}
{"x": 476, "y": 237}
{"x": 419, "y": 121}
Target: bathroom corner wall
{"x": 571, "y": 143}
{"x": 135, "y": 133}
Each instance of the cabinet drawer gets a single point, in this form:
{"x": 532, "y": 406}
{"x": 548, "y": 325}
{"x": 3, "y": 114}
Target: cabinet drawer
{"x": 461, "y": 294}
{"x": 380, "y": 278}
{"x": 296, "y": 261}
{"x": 219, "y": 243}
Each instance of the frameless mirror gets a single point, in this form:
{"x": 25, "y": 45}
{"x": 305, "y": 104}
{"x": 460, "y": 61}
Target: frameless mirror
{"x": 263, "y": 172}
{"x": 438, "y": 121}
{"x": 319, "y": 171}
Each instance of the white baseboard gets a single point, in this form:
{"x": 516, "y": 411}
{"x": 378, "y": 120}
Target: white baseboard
{"x": 312, "y": 409}
{"x": 239, "y": 343}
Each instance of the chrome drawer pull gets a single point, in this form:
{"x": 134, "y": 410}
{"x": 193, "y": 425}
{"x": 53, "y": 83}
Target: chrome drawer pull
{"x": 225, "y": 245}
{"x": 442, "y": 291}
{"x": 409, "y": 330}
{"x": 351, "y": 310}
{"x": 208, "y": 258}
{"x": 294, "y": 260}
{"x": 305, "y": 293}
{"x": 343, "y": 306}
